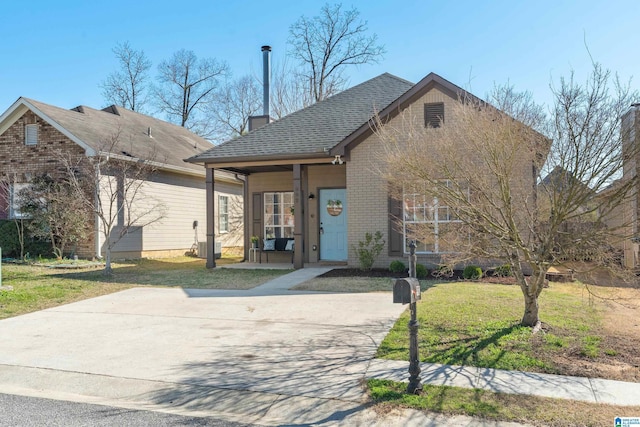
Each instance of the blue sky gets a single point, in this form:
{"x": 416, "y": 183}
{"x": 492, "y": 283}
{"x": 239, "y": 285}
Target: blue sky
{"x": 58, "y": 52}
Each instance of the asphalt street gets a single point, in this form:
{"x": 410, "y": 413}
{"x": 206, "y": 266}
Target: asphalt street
{"x": 21, "y": 411}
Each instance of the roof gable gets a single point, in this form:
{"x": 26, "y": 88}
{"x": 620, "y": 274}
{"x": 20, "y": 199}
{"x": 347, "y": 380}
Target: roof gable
{"x": 22, "y": 105}
{"x": 416, "y": 92}
{"x": 139, "y": 135}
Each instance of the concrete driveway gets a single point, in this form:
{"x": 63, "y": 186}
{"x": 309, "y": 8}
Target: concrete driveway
{"x": 271, "y": 359}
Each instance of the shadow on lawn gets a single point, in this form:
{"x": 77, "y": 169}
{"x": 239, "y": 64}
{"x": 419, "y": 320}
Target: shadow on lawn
{"x": 464, "y": 351}
{"x": 157, "y": 272}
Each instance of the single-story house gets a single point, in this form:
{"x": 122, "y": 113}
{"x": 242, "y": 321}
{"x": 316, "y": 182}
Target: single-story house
{"x": 312, "y": 175}
{"x": 33, "y": 134}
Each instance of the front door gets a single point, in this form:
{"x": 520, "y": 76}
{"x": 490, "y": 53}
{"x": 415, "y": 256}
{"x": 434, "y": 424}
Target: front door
{"x": 333, "y": 225}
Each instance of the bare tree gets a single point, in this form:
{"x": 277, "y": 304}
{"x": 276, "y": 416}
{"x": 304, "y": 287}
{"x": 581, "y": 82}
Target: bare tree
{"x": 128, "y": 86}
{"x": 112, "y": 186}
{"x": 234, "y": 103}
{"x": 289, "y": 92}
{"x": 473, "y": 188}
{"x": 186, "y": 87}
{"x": 325, "y": 44}
{"x": 55, "y": 213}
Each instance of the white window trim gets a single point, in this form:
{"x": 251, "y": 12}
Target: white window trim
{"x": 31, "y": 134}
{"x": 436, "y": 221}
{"x": 284, "y": 216}
{"x": 222, "y": 214}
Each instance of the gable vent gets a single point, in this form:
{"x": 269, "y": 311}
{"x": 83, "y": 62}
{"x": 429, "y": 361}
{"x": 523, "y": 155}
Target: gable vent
{"x": 433, "y": 114}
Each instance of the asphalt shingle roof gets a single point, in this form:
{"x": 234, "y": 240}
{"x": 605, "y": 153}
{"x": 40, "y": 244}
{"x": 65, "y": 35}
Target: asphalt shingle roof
{"x": 170, "y": 143}
{"x": 315, "y": 128}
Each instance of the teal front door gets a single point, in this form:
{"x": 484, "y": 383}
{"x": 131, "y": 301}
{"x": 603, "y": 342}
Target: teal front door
{"x": 333, "y": 225}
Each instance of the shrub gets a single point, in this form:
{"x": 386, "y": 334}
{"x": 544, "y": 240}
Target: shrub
{"x": 397, "y": 266}
{"x": 503, "y": 271}
{"x": 421, "y": 271}
{"x": 472, "y": 272}
{"x": 442, "y": 271}
{"x": 10, "y": 242}
{"x": 369, "y": 249}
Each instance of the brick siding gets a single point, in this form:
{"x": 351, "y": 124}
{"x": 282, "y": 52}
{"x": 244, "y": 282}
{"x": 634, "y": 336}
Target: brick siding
{"x": 20, "y": 162}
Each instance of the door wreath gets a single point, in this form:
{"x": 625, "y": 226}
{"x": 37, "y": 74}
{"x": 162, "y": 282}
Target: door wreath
{"x": 334, "y": 207}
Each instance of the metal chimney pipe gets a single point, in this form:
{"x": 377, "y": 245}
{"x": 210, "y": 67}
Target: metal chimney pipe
{"x": 266, "y": 78}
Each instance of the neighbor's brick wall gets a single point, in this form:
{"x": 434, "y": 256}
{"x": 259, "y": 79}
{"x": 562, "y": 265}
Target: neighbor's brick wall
{"x": 20, "y": 162}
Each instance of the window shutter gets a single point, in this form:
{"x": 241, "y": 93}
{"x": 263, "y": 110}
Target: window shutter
{"x": 256, "y": 215}
{"x": 395, "y": 230}
{"x": 31, "y": 134}
{"x": 433, "y": 114}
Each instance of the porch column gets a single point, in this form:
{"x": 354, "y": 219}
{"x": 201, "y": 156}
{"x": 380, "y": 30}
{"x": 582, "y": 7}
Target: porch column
{"x": 298, "y": 218}
{"x": 211, "y": 235}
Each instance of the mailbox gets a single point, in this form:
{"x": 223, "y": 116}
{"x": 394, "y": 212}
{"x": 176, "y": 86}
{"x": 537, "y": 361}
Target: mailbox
{"x": 406, "y": 290}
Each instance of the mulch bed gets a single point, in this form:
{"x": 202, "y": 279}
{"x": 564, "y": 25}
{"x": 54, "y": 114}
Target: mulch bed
{"x": 381, "y": 272}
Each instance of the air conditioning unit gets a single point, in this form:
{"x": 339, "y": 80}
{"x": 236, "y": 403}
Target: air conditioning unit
{"x": 202, "y": 250}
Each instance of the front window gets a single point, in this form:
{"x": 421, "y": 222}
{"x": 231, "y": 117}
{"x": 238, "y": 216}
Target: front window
{"x": 429, "y": 222}
{"x": 278, "y": 215}
{"x": 15, "y": 201}
{"x": 223, "y": 214}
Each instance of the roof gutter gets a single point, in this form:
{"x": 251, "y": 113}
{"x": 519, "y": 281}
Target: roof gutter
{"x": 318, "y": 157}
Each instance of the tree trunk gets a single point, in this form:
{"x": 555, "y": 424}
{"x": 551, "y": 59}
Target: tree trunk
{"x": 530, "y": 317}
{"x": 107, "y": 262}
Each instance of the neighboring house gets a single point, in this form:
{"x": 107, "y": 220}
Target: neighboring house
{"x": 32, "y": 133}
{"x": 627, "y": 213}
{"x": 325, "y": 154}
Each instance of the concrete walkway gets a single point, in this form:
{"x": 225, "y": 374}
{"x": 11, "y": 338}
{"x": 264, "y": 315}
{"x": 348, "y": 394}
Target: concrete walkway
{"x": 591, "y": 390}
{"x": 266, "y": 356}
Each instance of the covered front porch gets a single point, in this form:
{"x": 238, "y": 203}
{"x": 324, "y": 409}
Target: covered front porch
{"x": 300, "y": 199}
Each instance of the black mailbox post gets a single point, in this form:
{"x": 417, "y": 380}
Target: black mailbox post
{"x": 407, "y": 291}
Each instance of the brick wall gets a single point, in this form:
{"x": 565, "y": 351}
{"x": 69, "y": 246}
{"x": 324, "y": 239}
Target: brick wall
{"x": 368, "y": 190}
{"x": 20, "y": 162}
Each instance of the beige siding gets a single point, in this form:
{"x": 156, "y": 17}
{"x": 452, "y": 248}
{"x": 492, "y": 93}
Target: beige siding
{"x": 182, "y": 199}
{"x": 235, "y": 236}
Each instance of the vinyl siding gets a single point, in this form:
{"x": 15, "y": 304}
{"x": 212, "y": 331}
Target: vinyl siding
{"x": 183, "y": 201}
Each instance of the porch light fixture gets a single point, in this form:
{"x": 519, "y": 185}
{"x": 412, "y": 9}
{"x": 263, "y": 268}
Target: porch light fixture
{"x": 312, "y": 196}
{"x": 337, "y": 160}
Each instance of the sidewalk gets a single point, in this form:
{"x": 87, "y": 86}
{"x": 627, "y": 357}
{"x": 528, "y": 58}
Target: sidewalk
{"x": 591, "y": 390}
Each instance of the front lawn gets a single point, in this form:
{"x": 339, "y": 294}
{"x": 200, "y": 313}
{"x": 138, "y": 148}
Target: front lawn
{"x": 477, "y": 324}
{"x": 36, "y": 287}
